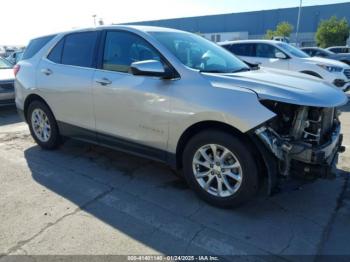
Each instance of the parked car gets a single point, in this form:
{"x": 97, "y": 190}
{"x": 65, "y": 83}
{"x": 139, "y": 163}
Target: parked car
{"x": 339, "y": 49}
{"x": 15, "y": 57}
{"x": 281, "y": 39}
{"x": 320, "y": 52}
{"x": 280, "y": 55}
{"x": 7, "y": 94}
{"x": 2, "y": 51}
{"x": 9, "y": 51}
{"x": 178, "y": 98}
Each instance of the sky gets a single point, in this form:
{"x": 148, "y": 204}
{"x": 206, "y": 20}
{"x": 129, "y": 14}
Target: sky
{"x": 27, "y": 19}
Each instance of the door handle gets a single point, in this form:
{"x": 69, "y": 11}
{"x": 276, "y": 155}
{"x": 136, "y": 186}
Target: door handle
{"x": 104, "y": 81}
{"x": 46, "y": 71}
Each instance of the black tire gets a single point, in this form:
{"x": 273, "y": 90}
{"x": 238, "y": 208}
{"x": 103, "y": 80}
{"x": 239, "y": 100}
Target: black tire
{"x": 249, "y": 184}
{"x": 55, "y": 139}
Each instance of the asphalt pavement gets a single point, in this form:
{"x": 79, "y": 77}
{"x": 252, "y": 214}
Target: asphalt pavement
{"x": 87, "y": 200}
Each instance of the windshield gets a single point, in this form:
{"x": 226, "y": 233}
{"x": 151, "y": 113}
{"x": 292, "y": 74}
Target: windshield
{"x": 198, "y": 53}
{"x": 324, "y": 51}
{"x": 4, "y": 64}
{"x": 292, "y": 50}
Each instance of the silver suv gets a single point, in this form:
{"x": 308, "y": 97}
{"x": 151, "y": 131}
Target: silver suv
{"x": 175, "y": 97}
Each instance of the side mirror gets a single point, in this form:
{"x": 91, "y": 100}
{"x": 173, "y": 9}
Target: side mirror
{"x": 148, "y": 68}
{"x": 280, "y": 55}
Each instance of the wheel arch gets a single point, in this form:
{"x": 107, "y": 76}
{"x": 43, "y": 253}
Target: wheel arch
{"x": 31, "y": 98}
{"x": 205, "y": 125}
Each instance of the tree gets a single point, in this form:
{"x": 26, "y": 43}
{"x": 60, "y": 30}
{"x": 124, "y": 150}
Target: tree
{"x": 332, "y": 32}
{"x": 282, "y": 29}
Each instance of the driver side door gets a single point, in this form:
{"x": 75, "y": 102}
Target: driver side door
{"x": 132, "y": 112}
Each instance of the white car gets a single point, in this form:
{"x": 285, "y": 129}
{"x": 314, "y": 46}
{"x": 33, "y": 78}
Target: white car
{"x": 7, "y": 93}
{"x": 2, "y": 51}
{"x": 279, "y": 55}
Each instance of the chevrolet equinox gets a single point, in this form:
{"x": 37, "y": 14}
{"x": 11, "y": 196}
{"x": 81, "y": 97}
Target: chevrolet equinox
{"x": 178, "y": 98}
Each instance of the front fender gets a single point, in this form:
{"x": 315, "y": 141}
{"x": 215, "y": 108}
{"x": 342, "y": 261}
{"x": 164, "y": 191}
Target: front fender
{"x": 238, "y": 108}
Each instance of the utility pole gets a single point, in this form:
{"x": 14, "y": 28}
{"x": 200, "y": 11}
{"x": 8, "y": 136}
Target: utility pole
{"x": 94, "y": 16}
{"x": 298, "y": 23}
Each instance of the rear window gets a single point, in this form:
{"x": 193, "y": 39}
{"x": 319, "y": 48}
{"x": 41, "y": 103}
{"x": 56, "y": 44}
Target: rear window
{"x": 35, "y": 45}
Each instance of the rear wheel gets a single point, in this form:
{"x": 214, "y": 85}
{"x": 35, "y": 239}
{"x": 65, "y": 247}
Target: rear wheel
{"x": 220, "y": 168}
{"x": 43, "y": 126}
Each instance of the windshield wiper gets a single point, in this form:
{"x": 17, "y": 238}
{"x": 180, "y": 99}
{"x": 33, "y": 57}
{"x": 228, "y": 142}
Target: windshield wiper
{"x": 211, "y": 71}
{"x": 243, "y": 69}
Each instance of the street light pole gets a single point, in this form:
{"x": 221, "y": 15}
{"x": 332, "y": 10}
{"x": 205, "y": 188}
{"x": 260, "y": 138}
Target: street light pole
{"x": 94, "y": 16}
{"x": 298, "y": 23}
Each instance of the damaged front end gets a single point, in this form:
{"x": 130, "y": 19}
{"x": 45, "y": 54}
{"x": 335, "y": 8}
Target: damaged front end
{"x": 304, "y": 139}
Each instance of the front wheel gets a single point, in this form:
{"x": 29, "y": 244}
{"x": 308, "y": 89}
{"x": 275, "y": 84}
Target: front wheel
{"x": 43, "y": 126}
{"x": 220, "y": 168}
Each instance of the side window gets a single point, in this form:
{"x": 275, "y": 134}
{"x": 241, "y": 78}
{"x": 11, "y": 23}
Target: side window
{"x": 243, "y": 49}
{"x": 35, "y": 45}
{"x": 227, "y": 47}
{"x": 310, "y": 52}
{"x": 123, "y": 48}
{"x": 320, "y": 54}
{"x": 78, "y": 49}
{"x": 266, "y": 51}
{"x": 56, "y": 53}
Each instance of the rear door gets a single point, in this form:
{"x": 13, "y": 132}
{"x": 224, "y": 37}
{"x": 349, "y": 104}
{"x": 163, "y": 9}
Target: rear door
{"x": 65, "y": 76}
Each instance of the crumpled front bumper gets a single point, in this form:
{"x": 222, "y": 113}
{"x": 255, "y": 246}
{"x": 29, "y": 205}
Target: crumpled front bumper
{"x": 304, "y": 159}
{"x": 322, "y": 154}
{"x": 318, "y": 161}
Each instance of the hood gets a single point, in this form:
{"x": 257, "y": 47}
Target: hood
{"x": 325, "y": 61}
{"x": 6, "y": 74}
{"x": 283, "y": 86}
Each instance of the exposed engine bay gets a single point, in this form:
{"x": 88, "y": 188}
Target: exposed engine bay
{"x": 304, "y": 139}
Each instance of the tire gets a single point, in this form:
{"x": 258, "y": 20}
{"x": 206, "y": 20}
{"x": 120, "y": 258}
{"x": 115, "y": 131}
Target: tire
{"x": 237, "y": 154}
{"x": 52, "y": 139}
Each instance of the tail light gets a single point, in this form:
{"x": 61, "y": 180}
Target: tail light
{"x": 16, "y": 69}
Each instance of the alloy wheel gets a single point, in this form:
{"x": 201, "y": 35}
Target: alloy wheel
{"x": 41, "y": 125}
{"x": 217, "y": 170}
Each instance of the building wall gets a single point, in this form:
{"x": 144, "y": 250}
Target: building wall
{"x": 256, "y": 23}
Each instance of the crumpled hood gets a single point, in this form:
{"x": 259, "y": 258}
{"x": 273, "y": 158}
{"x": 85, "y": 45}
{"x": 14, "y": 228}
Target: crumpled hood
{"x": 283, "y": 86}
{"x": 325, "y": 61}
{"x": 6, "y": 74}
